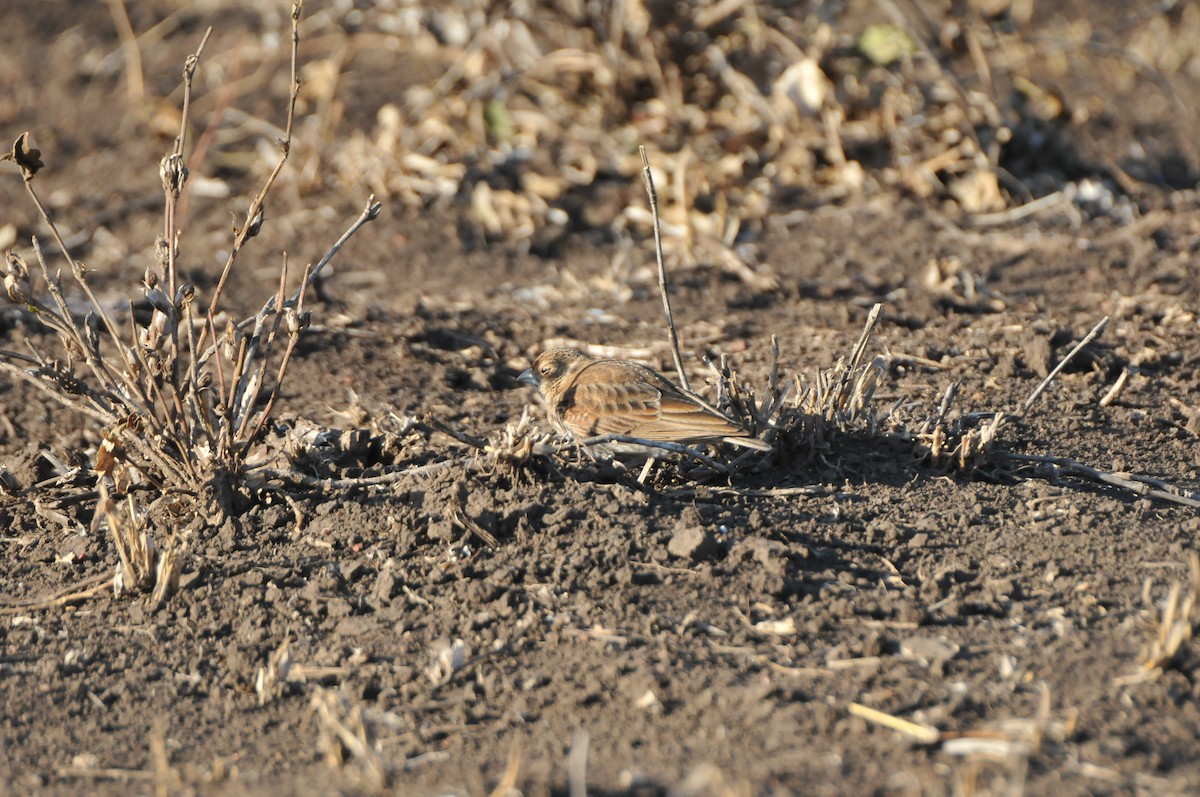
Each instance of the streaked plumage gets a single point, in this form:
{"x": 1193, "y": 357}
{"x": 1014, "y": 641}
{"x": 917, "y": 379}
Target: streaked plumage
{"x": 588, "y": 398}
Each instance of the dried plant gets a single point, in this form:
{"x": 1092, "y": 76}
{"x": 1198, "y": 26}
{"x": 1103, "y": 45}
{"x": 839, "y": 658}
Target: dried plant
{"x": 347, "y": 732}
{"x": 962, "y": 443}
{"x": 1177, "y": 622}
{"x": 519, "y": 442}
{"x": 180, "y": 402}
{"x": 145, "y": 565}
{"x": 810, "y": 411}
{"x": 806, "y": 411}
{"x": 269, "y": 678}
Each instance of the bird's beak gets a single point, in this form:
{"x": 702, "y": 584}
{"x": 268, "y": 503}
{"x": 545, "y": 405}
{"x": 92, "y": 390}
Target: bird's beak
{"x": 528, "y": 378}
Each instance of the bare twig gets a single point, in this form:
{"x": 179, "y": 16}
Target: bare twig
{"x": 254, "y": 213}
{"x": 73, "y": 594}
{"x": 1135, "y": 483}
{"x": 775, "y": 492}
{"x": 296, "y": 320}
{"x": 77, "y": 270}
{"x": 861, "y": 346}
{"x": 189, "y": 71}
{"x": 1118, "y": 387}
{"x": 305, "y": 480}
{"x": 369, "y": 214}
{"x": 105, "y": 773}
{"x": 59, "y": 395}
{"x": 507, "y": 785}
{"x": 55, "y": 288}
{"x": 16, "y": 355}
{"x": 459, "y": 516}
{"x": 174, "y": 174}
{"x": 1095, "y": 333}
{"x": 212, "y": 328}
{"x": 1019, "y": 212}
{"x": 432, "y": 424}
{"x": 577, "y": 764}
{"x": 663, "y": 288}
{"x": 923, "y": 734}
{"x": 166, "y": 778}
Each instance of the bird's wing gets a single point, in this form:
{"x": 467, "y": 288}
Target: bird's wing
{"x": 624, "y": 398}
{"x": 604, "y": 407}
{"x": 691, "y": 419}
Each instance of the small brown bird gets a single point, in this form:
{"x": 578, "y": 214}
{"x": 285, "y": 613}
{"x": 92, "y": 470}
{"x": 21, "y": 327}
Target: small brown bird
{"x": 588, "y": 398}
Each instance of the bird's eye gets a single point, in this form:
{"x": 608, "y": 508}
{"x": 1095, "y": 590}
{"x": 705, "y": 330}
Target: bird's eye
{"x": 545, "y": 369}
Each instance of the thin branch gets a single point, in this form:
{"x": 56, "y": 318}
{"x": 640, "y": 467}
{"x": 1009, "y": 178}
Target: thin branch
{"x": 106, "y": 416}
{"x": 1135, "y": 483}
{"x": 220, "y": 371}
{"x": 923, "y": 734}
{"x": 199, "y": 406}
{"x": 304, "y": 480}
{"x": 254, "y": 213}
{"x": 153, "y": 390}
{"x": 577, "y": 764}
{"x": 293, "y": 339}
{"x": 1018, "y": 212}
{"x": 174, "y": 173}
{"x": 75, "y": 593}
{"x": 1095, "y": 333}
{"x": 266, "y": 344}
{"x": 1114, "y": 392}
{"x": 744, "y": 492}
{"x": 432, "y": 424}
{"x": 189, "y": 71}
{"x": 369, "y": 214}
{"x": 459, "y": 515}
{"x": 247, "y": 377}
{"x": 58, "y": 395}
{"x": 838, "y": 397}
{"x": 16, "y": 355}
{"x": 672, "y": 334}
{"x": 77, "y": 269}
{"x": 72, "y": 386}
{"x": 65, "y": 321}
{"x": 868, "y": 328}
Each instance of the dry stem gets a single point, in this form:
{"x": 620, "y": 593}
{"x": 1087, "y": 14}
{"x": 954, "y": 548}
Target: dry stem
{"x": 672, "y": 334}
{"x": 1095, "y": 333}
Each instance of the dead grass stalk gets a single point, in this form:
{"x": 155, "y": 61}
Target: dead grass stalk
{"x": 180, "y": 406}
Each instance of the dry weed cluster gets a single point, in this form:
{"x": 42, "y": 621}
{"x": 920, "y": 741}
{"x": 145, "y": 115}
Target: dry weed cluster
{"x": 182, "y": 392}
{"x": 1177, "y": 623}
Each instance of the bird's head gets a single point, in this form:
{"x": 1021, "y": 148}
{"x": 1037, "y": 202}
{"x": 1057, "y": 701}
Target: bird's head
{"x": 552, "y": 368}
